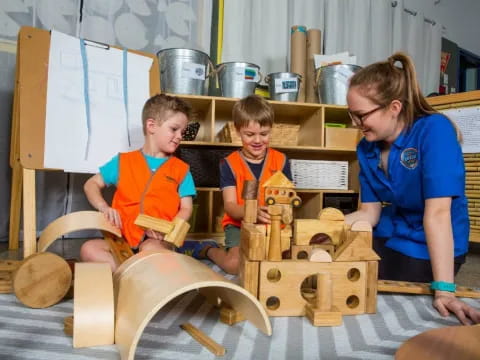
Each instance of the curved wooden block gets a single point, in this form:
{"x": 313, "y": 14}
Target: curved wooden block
{"x": 76, "y": 221}
{"x": 454, "y": 342}
{"x": 42, "y": 280}
{"x": 165, "y": 275}
{"x": 331, "y": 214}
{"x": 320, "y": 255}
{"x": 93, "y": 306}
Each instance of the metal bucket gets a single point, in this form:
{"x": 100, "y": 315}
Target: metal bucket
{"x": 283, "y": 86}
{"x": 237, "y": 79}
{"x": 184, "y": 71}
{"x": 332, "y": 83}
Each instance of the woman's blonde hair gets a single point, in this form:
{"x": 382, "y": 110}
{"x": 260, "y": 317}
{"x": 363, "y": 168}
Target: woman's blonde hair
{"x": 383, "y": 82}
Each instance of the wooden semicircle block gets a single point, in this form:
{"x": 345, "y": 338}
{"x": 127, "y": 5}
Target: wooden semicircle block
{"x": 76, "y": 221}
{"x": 164, "y": 276}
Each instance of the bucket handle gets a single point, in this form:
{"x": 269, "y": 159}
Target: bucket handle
{"x": 317, "y": 76}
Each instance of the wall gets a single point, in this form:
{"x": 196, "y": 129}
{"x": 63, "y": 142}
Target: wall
{"x": 460, "y": 18}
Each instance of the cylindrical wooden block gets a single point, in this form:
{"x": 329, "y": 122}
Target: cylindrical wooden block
{"x": 250, "y": 190}
{"x": 324, "y": 292}
{"x": 314, "y": 46}
{"x": 275, "y": 247}
{"x": 298, "y": 56}
{"x": 42, "y": 280}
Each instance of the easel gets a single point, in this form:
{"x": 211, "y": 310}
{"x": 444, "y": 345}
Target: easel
{"x": 28, "y": 129}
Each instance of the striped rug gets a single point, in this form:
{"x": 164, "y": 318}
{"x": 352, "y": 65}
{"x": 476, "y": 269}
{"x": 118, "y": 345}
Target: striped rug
{"x": 38, "y": 333}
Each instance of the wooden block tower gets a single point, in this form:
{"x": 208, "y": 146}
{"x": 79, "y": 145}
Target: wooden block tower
{"x": 320, "y": 268}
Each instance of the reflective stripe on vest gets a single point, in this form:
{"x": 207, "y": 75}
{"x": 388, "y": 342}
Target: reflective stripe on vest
{"x": 139, "y": 190}
{"x": 274, "y": 161}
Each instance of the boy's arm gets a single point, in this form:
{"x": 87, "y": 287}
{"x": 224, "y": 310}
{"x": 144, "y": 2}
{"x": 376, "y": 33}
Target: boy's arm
{"x": 234, "y": 210}
{"x": 186, "y": 206}
{"x": 93, "y": 190}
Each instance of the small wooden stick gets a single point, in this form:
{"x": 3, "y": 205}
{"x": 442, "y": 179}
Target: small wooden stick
{"x": 204, "y": 339}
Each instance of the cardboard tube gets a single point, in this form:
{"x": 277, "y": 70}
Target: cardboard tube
{"x": 298, "y": 56}
{"x": 314, "y": 46}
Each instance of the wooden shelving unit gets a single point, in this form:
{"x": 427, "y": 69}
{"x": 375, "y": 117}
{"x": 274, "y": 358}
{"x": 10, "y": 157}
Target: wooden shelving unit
{"x": 214, "y": 112}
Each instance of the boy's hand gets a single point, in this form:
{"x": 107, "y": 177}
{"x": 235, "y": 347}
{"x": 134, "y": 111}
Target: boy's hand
{"x": 152, "y": 234}
{"x": 112, "y": 215}
{"x": 262, "y": 215}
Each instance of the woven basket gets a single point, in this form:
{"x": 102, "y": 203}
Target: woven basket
{"x": 282, "y": 134}
{"x": 319, "y": 174}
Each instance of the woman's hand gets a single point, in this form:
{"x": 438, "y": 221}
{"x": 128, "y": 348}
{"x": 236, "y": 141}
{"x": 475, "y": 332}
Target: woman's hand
{"x": 263, "y": 216}
{"x": 112, "y": 215}
{"x": 446, "y": 303}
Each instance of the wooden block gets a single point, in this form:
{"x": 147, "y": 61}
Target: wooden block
{"x": 68, "y": 325}
{"x": 42, "y": 280}
{"x": 250, "y": 213}
{"x": 320, "y": 255}
{"x": 323, "y": 318}
{"x": 252, "y": 241}
{"x": 405, "y": 287}
{"x": 119, "y": 248}
{"x": 275, "y": 245}
{"x": 356, "y": 247}
{"x": 178, "y": 233}
{"x": 229, "y": 316}
{"x": 306, "y": 229}
{"x": 248, "y": 274}
{"x": 323, "y": 301}
{"x": 331, "y": 214}
{"x": 286, "y": 237}
{"x": 153, "y": 223}
{"x": 203, "y": 339}
{"x": 453, "y": 342}
{"x": 372, "y": 281}
{"x": 93, "y": 305}
{"x": 9, "y": 265}
{"x": 250, "y": 190}
{"x": 280, "y": 285}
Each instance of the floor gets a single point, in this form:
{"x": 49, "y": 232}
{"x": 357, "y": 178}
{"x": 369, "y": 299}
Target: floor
{"x": 469, "y": 274}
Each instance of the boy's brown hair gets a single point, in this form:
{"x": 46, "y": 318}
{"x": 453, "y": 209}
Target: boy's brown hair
{"x": 158, "y": 105}
{"x": 252, "y": 108}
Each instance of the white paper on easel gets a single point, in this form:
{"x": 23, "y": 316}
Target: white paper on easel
{"x": 66, "y": 131}
{"x": 468, "y": 121}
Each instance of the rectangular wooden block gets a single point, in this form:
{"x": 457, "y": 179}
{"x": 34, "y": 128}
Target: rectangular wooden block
{"x": 248, "y": 274}
{"x": 252, "y": 241}
{"x": 323, "y": 318}
{"x": 283, "y": 281}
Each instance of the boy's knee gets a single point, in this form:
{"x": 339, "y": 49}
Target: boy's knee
{"x": 232, "y": 264}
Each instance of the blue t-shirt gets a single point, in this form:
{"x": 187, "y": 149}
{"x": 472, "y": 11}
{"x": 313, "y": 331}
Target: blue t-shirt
{"x": 110, "y": 172}
{"x": 424, "y": 162}
{"x": 227, "y": 178}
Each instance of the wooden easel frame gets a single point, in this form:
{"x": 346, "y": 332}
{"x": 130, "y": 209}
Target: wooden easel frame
{"x": 28, "y": 129}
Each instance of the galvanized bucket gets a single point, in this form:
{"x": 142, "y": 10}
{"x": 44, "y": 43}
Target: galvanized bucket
{"x": 332, "y": 83}
{"x": 184, "y": 71}
{"x": 237, "y": 79}
{"x": 283, "y": 86}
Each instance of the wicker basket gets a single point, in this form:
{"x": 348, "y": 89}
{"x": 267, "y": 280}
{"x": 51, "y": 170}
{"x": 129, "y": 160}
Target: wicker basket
{"x": 282, "y": 134}
{"x": 320, "y": 174}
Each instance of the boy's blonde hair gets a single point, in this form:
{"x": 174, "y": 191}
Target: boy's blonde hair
{"x": 158, "y": 105}
{"x": 252, "y": 108}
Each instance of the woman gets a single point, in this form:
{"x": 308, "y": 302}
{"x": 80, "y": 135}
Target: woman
{"x": 411, "y": 158}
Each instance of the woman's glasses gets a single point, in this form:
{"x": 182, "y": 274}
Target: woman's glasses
{"x": 358, "y": 119}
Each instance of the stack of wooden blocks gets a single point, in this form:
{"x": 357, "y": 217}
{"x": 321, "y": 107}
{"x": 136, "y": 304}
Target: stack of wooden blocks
{"x": 320, "y": 268}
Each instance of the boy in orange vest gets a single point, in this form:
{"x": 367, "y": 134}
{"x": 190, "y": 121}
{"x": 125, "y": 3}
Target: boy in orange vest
{"x": 149, "y": 181}
{"x": 253, "y": 118}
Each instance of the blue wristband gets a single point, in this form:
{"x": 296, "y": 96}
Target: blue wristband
{"x": 443, "y": 286}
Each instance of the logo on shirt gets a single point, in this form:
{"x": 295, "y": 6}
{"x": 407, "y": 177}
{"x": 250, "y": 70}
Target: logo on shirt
{"x": 409, "y": 158}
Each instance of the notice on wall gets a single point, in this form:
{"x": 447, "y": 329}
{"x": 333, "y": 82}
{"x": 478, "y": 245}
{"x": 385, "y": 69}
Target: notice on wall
{"x": 468, "y": 121}
{"x": 95, "y": 96}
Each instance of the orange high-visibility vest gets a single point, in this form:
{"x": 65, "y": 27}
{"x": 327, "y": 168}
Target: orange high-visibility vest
{"x": 141, "y": 191}
{"x": 274, "y": 161}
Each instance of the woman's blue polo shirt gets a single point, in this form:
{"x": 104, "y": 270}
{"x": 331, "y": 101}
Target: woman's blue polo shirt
{"x": 424, "y": 162}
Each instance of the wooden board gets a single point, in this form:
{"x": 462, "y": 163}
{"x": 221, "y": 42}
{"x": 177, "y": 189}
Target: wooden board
{"x": 405, "y": 287}
{"x": 93, "y": 305}
{"x": 165, "y": 275}
{"x": 42, "y": 280}
{"x": 455, "y": 342}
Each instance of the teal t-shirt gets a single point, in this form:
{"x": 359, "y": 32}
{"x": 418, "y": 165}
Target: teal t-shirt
{"x": 110, "y": 171}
